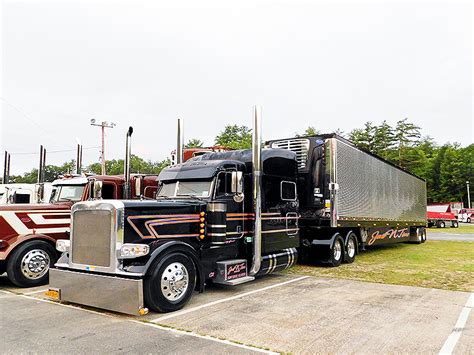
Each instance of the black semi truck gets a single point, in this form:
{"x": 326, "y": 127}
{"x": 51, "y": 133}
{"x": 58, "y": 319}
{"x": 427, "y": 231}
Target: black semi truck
{"x": 229, "y": 217}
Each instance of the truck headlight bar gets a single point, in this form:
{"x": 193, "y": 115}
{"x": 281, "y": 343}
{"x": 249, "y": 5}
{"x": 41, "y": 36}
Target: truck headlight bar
{"x": 63, "y": 245}
{"x": 128, "y": 251}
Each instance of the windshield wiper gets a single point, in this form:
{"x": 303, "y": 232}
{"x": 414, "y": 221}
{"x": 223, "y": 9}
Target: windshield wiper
{"x": 66, "y": 199}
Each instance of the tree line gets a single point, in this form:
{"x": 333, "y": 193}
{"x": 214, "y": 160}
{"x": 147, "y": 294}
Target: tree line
{"x": 446, "y": 168}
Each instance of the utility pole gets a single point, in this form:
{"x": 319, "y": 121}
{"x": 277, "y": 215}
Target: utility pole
{"x": 103, "y": 125}
{"x": 468, "y": 195}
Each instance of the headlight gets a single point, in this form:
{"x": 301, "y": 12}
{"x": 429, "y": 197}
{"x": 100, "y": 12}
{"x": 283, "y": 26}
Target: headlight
{"x": 63, "y": 245}
{"x": 134, "y": 250}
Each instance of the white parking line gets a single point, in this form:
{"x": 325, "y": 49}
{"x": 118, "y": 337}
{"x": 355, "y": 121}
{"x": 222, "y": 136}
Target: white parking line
{"x": 227, "y": 342}
{"x": 125, "y": 318}
{"x": 188, "y": 310}
{"x": 37, "y": 291}
{"x": 453, "y": 338}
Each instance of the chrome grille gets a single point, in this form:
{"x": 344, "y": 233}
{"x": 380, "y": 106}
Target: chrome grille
{"x": 91, "y": 237}
{"x": 371, "y": 189}
{"x": 298, "y": 145}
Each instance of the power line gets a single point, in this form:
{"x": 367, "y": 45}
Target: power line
{"x": 54, "y": 151}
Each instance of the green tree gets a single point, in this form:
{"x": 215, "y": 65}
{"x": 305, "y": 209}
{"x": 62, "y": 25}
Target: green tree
{"x": 194, "y": 143}
{"x": 364, "y": 138}
{"x": 137, "y": 165}
{"x": 383, "y": 140}
{"x": 310, "y": 131}
{"x": 235, "y": 137}
{"x": 407, "y": 135}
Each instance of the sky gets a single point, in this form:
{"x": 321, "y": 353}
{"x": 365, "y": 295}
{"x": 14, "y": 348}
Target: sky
{"x": 144, "y": 64}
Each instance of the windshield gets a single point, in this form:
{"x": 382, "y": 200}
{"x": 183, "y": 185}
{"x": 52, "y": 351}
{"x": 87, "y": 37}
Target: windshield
{"x": 186, "y": 188}
{"x": 67, "y": 193}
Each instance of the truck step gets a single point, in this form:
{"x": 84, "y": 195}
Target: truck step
{"x": 232, "y": 272}
{"x": 235, "y": 282}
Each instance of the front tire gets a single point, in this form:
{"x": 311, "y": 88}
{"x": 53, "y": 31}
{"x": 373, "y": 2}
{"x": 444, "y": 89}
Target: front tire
{"x": 468, "y": 219}
{"x": 336, "y": 252}
{"x": 170, "y": 283}
{"x": 28, "y": 265}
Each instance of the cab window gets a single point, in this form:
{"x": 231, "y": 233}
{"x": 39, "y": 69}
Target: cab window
{"x": 224, "y": 184}
{"x": 108, "y": 191}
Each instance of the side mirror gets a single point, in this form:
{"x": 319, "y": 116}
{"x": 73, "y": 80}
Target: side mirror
{"x": 97, "y": 190}
{"x": 138, "y": 186}
{"x": 237, "y": 182}
{"x": 237, "y": 187}
{"x": 39, "y": 192}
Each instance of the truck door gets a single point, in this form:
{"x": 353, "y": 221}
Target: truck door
{"x": 235, "y": 208}
{"x": 317, "y": 177}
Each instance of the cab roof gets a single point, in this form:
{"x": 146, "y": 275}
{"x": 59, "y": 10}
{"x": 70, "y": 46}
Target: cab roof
{"x": 275, "y": 162}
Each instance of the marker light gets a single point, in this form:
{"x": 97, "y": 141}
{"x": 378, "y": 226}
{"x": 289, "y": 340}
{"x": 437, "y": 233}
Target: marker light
{"x": 201, "y": 231}
{"x": 63, "y": 245}
{"x": 202, "y": 219}
{"x": 202, "y": 214}
{"x": 201, "y": 225}
{"x": 134, "y": 250}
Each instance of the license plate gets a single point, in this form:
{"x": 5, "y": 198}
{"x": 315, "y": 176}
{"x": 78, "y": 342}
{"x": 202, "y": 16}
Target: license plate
{"x": 53, "y": 293}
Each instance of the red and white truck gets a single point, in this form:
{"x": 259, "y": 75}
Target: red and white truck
{"x": 28, "y": 232}
{"x": 466, "y": 215}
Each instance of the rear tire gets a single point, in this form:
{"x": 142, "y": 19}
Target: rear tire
{"x": 170, "y": 283}
{"x": 28, "y": 265}
{"x": 351, "y": 248}
{"x": 423, "y": 235}
{"x": 336, "y": 252}
{"x": 441, "y": 224}
{"x": 454, "y": 224}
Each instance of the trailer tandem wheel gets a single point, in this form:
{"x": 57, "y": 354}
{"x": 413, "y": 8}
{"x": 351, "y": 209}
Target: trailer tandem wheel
{"x": 336, "y": 254}
{"x": 350, "y": 249}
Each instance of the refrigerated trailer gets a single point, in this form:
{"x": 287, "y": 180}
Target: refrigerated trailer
{"x": 228, "y": 217}
{"x": 350, "y": 199}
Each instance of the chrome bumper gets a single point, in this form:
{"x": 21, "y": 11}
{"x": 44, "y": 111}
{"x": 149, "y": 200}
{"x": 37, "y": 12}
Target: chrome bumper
{"x": 112, "y": 293}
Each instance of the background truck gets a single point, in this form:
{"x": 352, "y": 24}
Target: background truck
{"x": 441, "y": 219}
{"x": 466, "y": 215}
{"x": 228, "y": 217}
{"x": 24, "y": 193}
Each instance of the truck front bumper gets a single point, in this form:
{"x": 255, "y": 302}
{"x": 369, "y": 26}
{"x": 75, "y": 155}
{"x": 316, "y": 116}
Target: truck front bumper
{"x": 112, "y": 293}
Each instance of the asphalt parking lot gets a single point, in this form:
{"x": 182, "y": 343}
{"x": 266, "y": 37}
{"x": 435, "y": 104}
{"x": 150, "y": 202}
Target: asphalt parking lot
{"x": 280, "y": 313}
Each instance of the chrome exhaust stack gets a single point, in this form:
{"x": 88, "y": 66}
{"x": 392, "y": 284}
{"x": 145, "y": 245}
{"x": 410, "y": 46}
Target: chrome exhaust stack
{"x": 6, "y": 168}
{"x": 256, "y": 189}
{"x": 127, "y": 163}
{"x": 40, "y": 167}
{"x": 180, "y": 142}
{"x": 41, "y": 172}
{"x": 79, "y": 158}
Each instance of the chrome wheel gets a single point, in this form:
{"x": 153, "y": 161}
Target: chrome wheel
{"x": 35, "y": 264}
{"x": 174, "y": 281}
{"x": 351, "y": 249}
{"x": 337, "y": 250}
